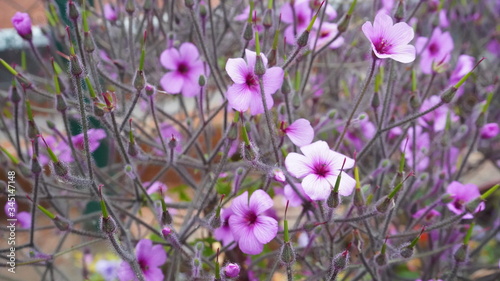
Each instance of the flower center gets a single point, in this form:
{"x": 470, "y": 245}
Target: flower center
{"x": 183, "y": 68}
{"x": 324, "y": 34}
{"x": 321, "y": 169}
{"x": 251, "y": 80}
{"x": 250, "y": 218}
{"x": 433, "y": 49}
{"x": 458, "y": 204}
{"x": 383, "y": 46}
{"x": 143, "y": 265}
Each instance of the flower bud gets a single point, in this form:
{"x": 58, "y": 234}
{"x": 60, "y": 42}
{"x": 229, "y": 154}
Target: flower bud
{"x": 166, "y": 218}
{"x": 73, "y": 12}
{"x": 129, "y": 171}
{"x": 203, "y": 11}
{"x": 233, "y": 132}
{"x": 33, "y": 131}
{"x": 202, "y": 81}
{"x": 88, "y": 42}
{"x": 150, "y": 90}
{"x": 344, "y": 23}
{"x": 22, "y": 24}
{"x": 189, "y": 3}
{"x": 384, "y": 204}
{"x": 61, "y": 105}
{"x": 14, "y": 95}
{"x": 358, "y": 201}
{"x": 375, "y": 100}
{"x": 333, "y": 200}
{"x": 272, "y": 58}
{"x": 215, "y": 221}
{"x": 62, "y": 223}
{"x": 340, "y": 261}
{"x": 268, "y": 19}
{"x": 130, "y": 7}
{"x": 75, "y": 66}
{"x": 172, "y": 144}
{"x": 108, "y": 225}
{"x": 406, "y": 251}
{"x": 36, "y": 169}
{"x": 415, "y": 102}
{"x": 303, "y": 39}
{"x": 250, "y": 152}
{"x": 461, "y": 253}
{"x": 296, "y": 102}
{"x": 60, "y": 169}
{"x": 285, "y": 87}
{"x": 166, "y": 231}
{"x": 260, "y": 68}
{"x": 400, "y": 12}
{"x": 448, "y": 95}
{"x": 381, "y": 259}
{"x": 139, "y": 80}
{"x": 248, "y": 32}
{"x": 148, "y": 6}
{"x": 287, "y": 255}
{"x": 199, "y": 247}
{"x": 231, "y": 270}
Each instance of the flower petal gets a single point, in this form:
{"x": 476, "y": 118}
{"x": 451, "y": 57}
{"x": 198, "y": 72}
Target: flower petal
{"x": 260, "y": 201}
{"x": 265, "y": 229}
{"x": 172, "y": 82}
{"x": 240, "y": 205}
{"x": 297, "y": 165}
{"x": 237, "y": 69}
{"x": 346, "y": 186}
{"x": 239, "y": 97}
{"x": 143, "y": 249}
{"x": 170, "y": 58}
{"x": 272, "y": 79}
{"x": 300, "y": 132}
{"x": 157, "y": 256}
{"x": 256, "y": 105}
{"x": 249, "y": 244}
{"x": 189, "y": 52}
{"x": 400, "y": 34}
{"x": 317, "y": 188}
{"x": 403, "y": 53}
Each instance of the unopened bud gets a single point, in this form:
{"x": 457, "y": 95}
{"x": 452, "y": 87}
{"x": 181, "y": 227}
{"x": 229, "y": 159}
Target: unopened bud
{"x": 260, "y": 68}
{"x": 296, "y": 102}
{"x": 150, "y": 90}
{"x": 248, "y": 32}
{"x": 340, "y": 261}
{"x": 287, "y": 255}
{"x": 130, "y": 7}
{"x": 461, "y": 253}
{"x": 75, "y": 66}
{"x": 148, "y": 6}
{"x": 303, "y": 39}
{"x": 199, "y": 247}
{"x": 381, "y": 259}
{"x": 60, "y": 169}
{"x": 286, "y": 88}
{"x": 384, "y": 204}
{"x": 166, "y": 231}
{"x": 51, "y": 124}
{"x": 88, "y": 42}
{"x": 231, "y": 270}
{"x": 33, "y": 131}
{"x": 375, "y": 100}
{"x": 108, "y": 225}
{"x": 250, "y": 152}
{"x": 400, "y": 12}
{"x": 132, "y": 149}
{"x": 166, "y": 218}
{"x": 62, "y": 223}
{"x": 139, "y": 80}
{"x": 172, "y": 144}
{"x": 272, "y": 58}
{"x": 344, "y": 23}
{"x": 202, "y": 80}
{"x": 36, "y": 169}
{"x": 268, "y": 18}
{"x": 189, "y": 3}
{"x": 61, "y": 105}
{"x": 14, "y": 95}
{"x": 215, "y": 222}
{"x": 406, "y": 251}
{"x": 415, "y": 102}
{"x": 203, "y": 11}
{"x": 333, "y": 200}
{"x": 358, "y": 200}
{"x": 448, "y": 95}
{"x": 73, "y": 12}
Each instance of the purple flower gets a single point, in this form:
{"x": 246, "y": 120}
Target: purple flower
{"x": 149, "y": 257}
{"x": 292, "y": 196}
{"x": 300, "y": 132}
{"x": 223, "y": 233}
{"x": 319, "y": 167}
{"x": 436, "y": 51}
{"x": 462, "y": 194}
{"x": 390, "y": 40}
{"x": 303, "y": 14}
{"x": 327, "y": 32}
{"x": 108, "y": 269}
{"x": 95, "y": 136}
{"x": 245, "y": 92}
{"x": 185, "y": 69}
{"x": 249, "y": 225}
{"x": 22, "y": 24}
{"x": 23, "y": 218}
{"x": 489, "y": 131}
{"x": 232, "y": 270}
{"x": 110, "y": 12}
{"x": 430, "y": 216}
{"x": 437, "y": 118}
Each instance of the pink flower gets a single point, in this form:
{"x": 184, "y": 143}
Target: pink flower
{"x": 223, "y": 233}
{"x": 390, "y": 40}
{"x": 489, "y": 131}
{"x": 110, "y": 12}
{"x": 292, "y": 196}
{"x": 327, "y": 32}
{"x": 232, "y": 270}
{"x": 465, "y": 64}
{"x": 300, "y": 132}
{"x": 149, "y": 257}
{"x": 22, "y": 24}
{"x": 95, "y": 137}
{"x": 437, "y": 51}
{"x": 23, "y": 218}
{"x": 463, "y": 194}
{"x": 303, "y": 14}
{"x": 437, "y": 118}
{"x": 428, "y": 217}
{"x": 249, "y": 225}
{"x": 245, "y": 92}
{"x": 319, "y": 167}
{"x": 186, "y": 68}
